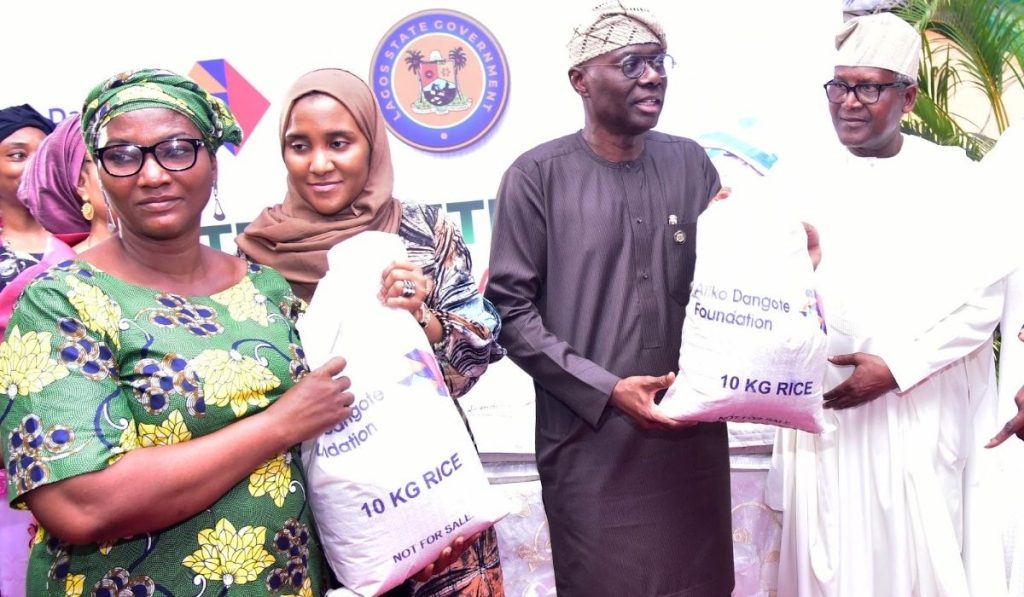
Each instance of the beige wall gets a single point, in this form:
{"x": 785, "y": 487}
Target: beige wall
{"x": 972, "y": 108}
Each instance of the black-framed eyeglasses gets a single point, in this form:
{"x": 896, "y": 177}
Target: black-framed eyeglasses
{"x": 633, "y": 66}
{"x": 867, "y": 93}
{"x": 126, "y": 159}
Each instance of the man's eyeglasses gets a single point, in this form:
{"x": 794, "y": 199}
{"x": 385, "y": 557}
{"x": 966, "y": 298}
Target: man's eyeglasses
{"x": 633, "y": 67}
{"x": 867, "y": 93}
{"x": 173, "y": 155}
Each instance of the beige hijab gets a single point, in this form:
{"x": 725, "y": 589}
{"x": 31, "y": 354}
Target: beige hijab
{"x": 292, "y": 237}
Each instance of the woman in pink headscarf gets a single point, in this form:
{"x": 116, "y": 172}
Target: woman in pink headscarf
{"x": 61, "y": 188}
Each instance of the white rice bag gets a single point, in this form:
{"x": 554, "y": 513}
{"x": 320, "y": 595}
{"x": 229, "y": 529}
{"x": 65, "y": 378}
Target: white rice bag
{"x": 754, "y": 338}
{"x": 399, "y": 480}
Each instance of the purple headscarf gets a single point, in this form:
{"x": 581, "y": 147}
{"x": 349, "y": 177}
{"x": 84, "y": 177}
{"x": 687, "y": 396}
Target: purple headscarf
{"x": 49, "y": 185}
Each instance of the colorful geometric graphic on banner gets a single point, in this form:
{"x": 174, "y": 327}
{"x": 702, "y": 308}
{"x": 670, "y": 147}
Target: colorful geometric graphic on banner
{"x": 441, "y": 80}
{"x": 222, "y": 80}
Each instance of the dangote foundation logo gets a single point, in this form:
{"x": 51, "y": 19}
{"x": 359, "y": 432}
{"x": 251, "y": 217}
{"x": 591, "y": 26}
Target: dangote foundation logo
{"x": 441, "y": 80}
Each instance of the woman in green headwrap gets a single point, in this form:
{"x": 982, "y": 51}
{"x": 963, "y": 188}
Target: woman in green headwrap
{"x": 155, "y": 387}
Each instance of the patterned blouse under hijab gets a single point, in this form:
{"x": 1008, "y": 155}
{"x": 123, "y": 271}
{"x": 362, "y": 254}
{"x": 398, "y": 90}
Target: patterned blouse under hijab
{"x": 13, "y": 263}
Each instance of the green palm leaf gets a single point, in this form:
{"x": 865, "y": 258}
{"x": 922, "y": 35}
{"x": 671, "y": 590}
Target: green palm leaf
{"x": 979, "y": 45}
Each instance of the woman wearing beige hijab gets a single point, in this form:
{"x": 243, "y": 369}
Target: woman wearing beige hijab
{"x": 340, "y": 180}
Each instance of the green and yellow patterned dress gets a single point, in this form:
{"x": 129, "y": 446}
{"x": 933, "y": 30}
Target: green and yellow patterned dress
{"x": 94, "y": 367}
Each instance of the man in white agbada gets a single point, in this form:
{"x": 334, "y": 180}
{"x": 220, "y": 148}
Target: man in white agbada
{"x": 1002, "y": 168}
{"x": 886, "y": 501}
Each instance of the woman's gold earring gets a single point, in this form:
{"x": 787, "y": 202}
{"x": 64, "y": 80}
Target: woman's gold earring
{"x": 87, "y": 211}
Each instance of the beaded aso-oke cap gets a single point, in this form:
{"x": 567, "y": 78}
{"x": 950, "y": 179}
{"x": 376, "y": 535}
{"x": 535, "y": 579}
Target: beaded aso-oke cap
{"x": 610, "y": 26}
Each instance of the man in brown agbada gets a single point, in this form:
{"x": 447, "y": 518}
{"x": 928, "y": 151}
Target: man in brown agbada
{"x": 591, "y": 262}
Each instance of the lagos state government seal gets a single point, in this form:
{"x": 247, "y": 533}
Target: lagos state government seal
{"x": 441, "y": 80}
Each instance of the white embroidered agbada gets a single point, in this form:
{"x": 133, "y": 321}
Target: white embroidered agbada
{"x": 1010, "y": 455}
{"x": 890, "y": 501}
{"x": 1002, "y": 169}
